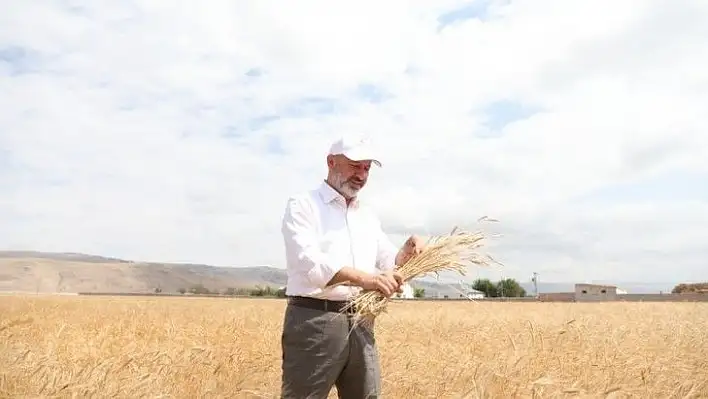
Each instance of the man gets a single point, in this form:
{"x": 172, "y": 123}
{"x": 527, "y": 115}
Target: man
{"x": 335, "y": 247}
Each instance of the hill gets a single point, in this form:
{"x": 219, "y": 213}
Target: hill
{"x": 48, "y": 272}
{"x": 26, "y": 271}
{"x": 69, "y": 256}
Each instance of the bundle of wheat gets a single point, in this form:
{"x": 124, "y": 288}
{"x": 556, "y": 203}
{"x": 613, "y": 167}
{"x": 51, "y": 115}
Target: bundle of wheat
{"x": 453, "y": 252}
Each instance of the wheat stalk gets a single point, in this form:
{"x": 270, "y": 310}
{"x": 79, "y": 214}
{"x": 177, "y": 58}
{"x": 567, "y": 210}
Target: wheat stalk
{"x": 452, "y": 252}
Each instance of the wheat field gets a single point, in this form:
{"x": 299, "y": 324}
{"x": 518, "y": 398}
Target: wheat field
{"x": 55, "y": 346}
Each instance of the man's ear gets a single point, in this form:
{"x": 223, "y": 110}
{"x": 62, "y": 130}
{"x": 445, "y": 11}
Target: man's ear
{"x": 331, "y": 160}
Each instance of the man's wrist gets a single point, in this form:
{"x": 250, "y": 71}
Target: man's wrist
{"x": 350, "y": 276}
{"x": 360, "y": 278}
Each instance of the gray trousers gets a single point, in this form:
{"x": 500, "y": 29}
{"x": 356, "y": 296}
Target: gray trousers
{"x": 320, "y": 352}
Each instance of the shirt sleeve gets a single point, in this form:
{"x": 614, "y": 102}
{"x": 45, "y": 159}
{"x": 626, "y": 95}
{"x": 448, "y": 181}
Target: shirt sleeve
{"x": 386, "y": 254}
{"x": 301, "y": 244}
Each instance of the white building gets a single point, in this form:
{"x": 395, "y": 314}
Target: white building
{"x": 454, "y": 291}
{"x": 407, "y": 293}
{"x": 474, "y": 294}
{"x": 595, "y": 292}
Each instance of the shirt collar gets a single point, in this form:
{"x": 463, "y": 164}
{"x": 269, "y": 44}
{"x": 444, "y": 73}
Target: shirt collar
{"x": 329, "y": 194}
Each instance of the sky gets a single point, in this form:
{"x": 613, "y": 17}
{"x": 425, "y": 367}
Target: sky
{"x": 151, "y": 130}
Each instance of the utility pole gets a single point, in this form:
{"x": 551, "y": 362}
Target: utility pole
{"x": 501, "y": 286}
{"x": 534, "y": 279}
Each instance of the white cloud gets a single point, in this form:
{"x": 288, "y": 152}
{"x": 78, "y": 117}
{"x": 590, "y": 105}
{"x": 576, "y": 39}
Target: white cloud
{"x": 147, "y": 130}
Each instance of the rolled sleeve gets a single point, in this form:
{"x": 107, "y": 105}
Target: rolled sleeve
{"x": 321, "y": 273}
{"x": 301, "y": 245}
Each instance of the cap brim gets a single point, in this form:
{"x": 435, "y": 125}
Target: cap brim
{"x": 358, "y": 156}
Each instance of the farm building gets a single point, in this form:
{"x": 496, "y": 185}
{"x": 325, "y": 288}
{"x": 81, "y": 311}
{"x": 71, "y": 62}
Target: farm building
{"x": 595, "y": 292}
{"x": 407, "y": 292}
{"x": 454, "y": 291}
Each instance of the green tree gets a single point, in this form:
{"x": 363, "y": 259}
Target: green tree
{"x": 418, "y": 292}
{"x": 690, "y": 288}
{"x": 510, "y": 288}
{"x": 264, "y": 291}
{"x": 199, "y": 289}
{"x": 486, "y": 286}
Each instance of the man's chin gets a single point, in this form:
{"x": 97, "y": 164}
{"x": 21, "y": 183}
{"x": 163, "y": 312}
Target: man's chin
{"x": 354, "y": 189}
{"x": 355, "y": 186}
{"x": 351, "y": 192}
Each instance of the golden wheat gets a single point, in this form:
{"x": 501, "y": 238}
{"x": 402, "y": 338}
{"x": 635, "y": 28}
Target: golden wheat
{"x": 453, "y": 252}
{"x": 226, "y": 348}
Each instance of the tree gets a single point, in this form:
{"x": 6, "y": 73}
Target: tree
{"x": 690, "y": 288}
{"x": 418, "y": 292}
{"x": 199, "y": 289}
{"x": 510, "y": 288}
{"x": 263, "y": 291}
{"x": 182, "y": 290}
{"x": 486, "y": 286}
{"x": 240, "y": 291}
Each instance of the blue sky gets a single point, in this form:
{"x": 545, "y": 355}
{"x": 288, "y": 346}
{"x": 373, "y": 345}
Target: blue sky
{"x": 153, "y": 132}
{"x": 469, "y": 10}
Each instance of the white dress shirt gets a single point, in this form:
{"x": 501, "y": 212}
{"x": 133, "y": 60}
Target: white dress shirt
{"x": 322, "y": 235}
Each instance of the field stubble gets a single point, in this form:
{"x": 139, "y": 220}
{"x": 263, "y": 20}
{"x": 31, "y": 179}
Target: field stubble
{"x": 195, "y": 347}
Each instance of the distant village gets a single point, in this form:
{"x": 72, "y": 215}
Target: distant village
{"x": 583, "y": 292}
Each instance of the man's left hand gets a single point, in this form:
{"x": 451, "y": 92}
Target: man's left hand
{"x": 413, "y": 246}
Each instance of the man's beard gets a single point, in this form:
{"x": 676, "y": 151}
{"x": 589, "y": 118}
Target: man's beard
{"x": 348, "y": 188}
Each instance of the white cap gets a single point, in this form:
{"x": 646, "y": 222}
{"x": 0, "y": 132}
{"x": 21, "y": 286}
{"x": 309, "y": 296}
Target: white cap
{"x": 356, "y": 149}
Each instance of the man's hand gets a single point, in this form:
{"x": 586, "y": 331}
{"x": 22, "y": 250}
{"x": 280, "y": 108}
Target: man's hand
{"x": 387, "y": 283}
{"x": 413, "y": 246}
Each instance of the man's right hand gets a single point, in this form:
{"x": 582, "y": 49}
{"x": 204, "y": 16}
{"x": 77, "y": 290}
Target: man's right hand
{"x": 387, "y": 283}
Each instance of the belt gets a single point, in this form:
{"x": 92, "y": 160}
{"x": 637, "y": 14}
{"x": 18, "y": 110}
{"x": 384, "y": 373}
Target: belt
{"x": 324, "y": 305}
